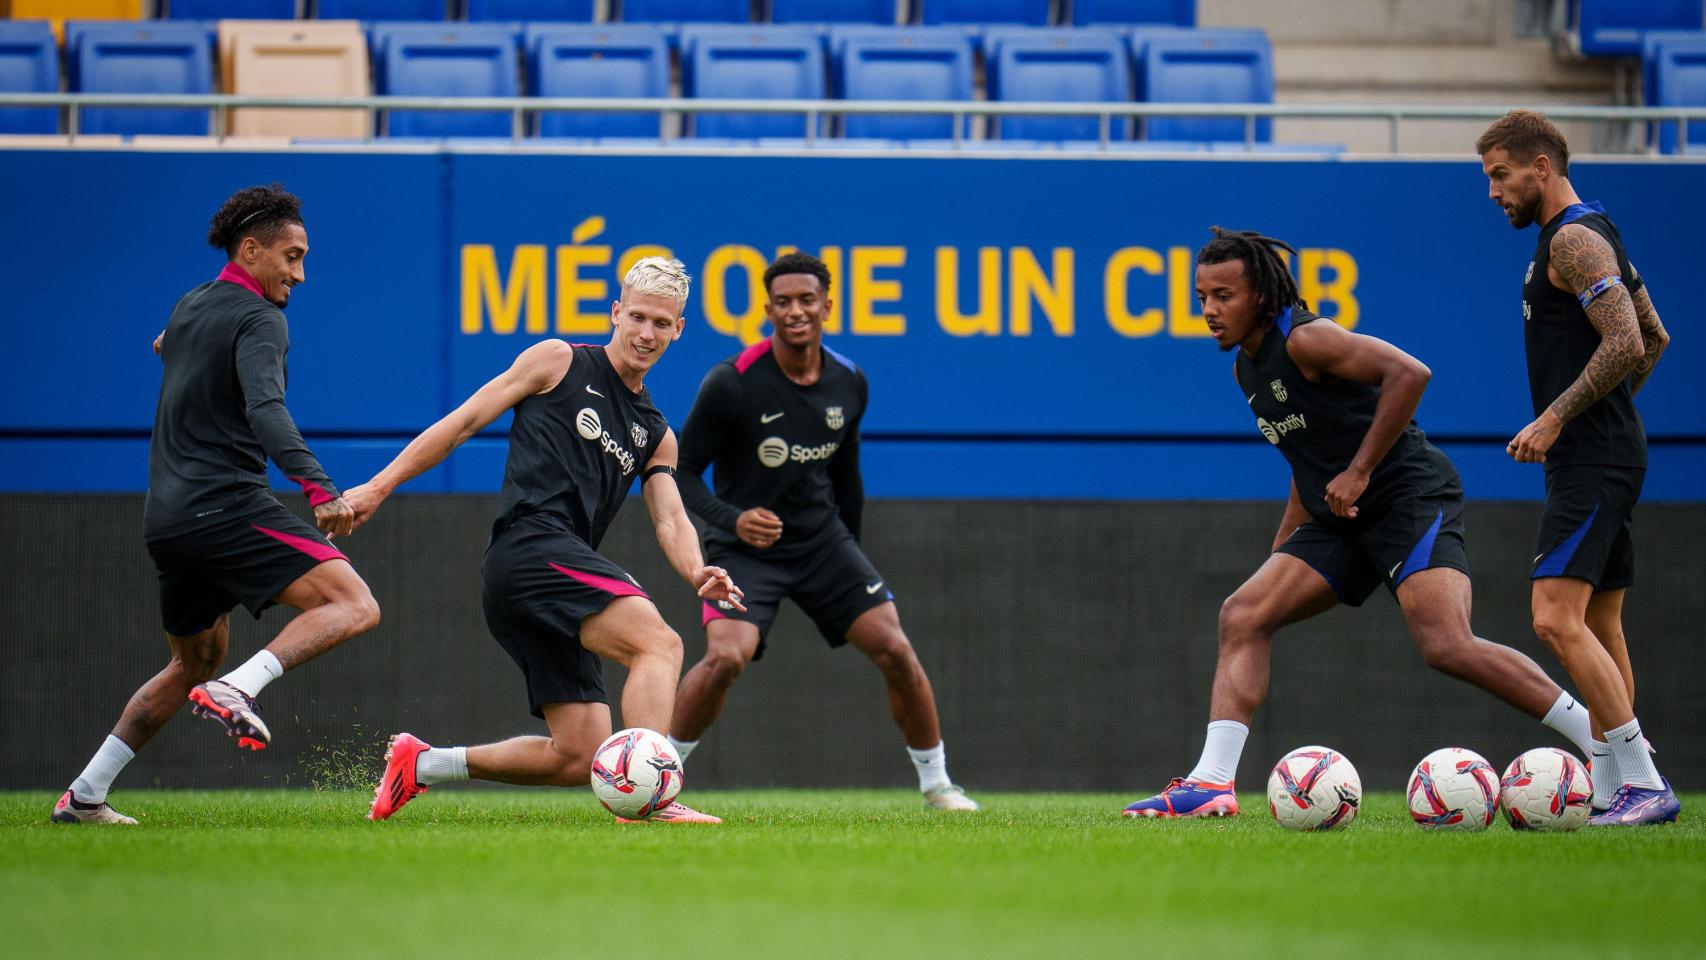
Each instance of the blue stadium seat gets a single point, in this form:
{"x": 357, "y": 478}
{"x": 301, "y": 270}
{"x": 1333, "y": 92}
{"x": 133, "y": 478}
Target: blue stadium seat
{"x": 1680, "y": 81}
{"x": 143, "y": 57}
{"x": 447, "y": 60}
{"x": 29, "y": 63}
{"x": 896, "y": 63}
{"x": 380, "y": 9}
{"x": 557, "y": 11}
{"x": 230, "y": 9}
{"x": 1653, "y": 45}
{"x": 684, "y": 11}
{"x": 832, "y": 11}
{"x": 604, "y": 60}
{"x": 1613, "y": 28}
{"x": 1060, "y": 66}
{"x": 751, "y": 63}
{"x": 1207, "y": 67}
{"x": 1031, "y": 12}
{"x": 1139, "y": 37}
{"x": 1178, "y": 13}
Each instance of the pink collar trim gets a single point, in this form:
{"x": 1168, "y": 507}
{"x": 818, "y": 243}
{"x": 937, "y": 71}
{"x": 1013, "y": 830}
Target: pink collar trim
{"x": 236, "y": 274}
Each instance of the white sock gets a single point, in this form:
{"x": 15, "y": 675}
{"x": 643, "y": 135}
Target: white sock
{"x": 253, "y": 676}
{"x": 683, "y": 747}
{"x": 932, "y": 767}
{"x": 1605, "y": 779}
{"x": 1220, "y": 752}
{"x": 92, "y": 784}
{"x": 1571, "y": 719}
{"x": 438, "y": 764}
{"x": 1634, "y": 763}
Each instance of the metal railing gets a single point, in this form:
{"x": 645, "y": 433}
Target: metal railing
{"x": 670, "y": 108}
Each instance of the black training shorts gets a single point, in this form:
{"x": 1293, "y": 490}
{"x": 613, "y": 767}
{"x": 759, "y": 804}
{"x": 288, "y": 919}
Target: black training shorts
{"x": 1407, "y": 535}
{"x": 1587, "y": 528}
{"x": 829, "y": 578}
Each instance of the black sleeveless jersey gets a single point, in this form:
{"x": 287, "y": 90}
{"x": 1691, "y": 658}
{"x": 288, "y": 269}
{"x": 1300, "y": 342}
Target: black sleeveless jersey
{"x": 1319, "y": 427}
{"x": 574, "y": 452}
{"x": 775, "y": 444}
{"x": 1560, "y": 340}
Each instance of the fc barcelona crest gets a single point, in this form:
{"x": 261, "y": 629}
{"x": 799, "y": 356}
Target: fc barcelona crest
{"x": 834, "y": 418}
{"x": 639, "y": 434}
{"x": 1279, "y": 390}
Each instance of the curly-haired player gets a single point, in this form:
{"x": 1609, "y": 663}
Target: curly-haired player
{"x": 217, "y": 534}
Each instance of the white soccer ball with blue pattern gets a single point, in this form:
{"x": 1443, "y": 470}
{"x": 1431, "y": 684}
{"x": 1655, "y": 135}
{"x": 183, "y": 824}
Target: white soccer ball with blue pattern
{"x": 636, "y": 773}
{"x": 1453, "y": 789}
{"x": 1546, "y": 789}
{"x": 1314, "y": 788}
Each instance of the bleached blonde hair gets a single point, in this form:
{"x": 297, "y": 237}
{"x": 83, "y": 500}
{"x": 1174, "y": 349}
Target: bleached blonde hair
{"x": 660, "y": 277}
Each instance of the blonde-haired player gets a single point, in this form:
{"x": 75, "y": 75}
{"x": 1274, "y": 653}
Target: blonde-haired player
{"x": 584, "y": 428}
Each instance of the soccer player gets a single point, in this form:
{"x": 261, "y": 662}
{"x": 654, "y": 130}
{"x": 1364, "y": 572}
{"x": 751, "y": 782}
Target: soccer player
{"x": 781, "y": 422}
{"x": 1372, "y": 502}
{"x": 1593, "y": 338}
{"x": 584, "y": 429}
{"x": 217, "y": 534}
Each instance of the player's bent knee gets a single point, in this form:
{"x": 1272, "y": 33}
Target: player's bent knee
{"x": 364, "y": 613}
{"x": 725, "y": 666}
{"x": 1241, "y": 620}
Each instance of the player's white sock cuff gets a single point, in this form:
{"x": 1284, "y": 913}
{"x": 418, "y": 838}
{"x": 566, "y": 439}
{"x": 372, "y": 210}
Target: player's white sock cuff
{"x": 438, "y": 764}
{"x": 1634, "y": 763}
{"x": 253, "y": 676}
{"x": 92, "y": 784}
{"x": 1570, "y": 719}
{"x": 1604, "y": 774}
{"x": 932, "y": 766}
{"x": 683, "y": 747}
{"x": 1220, "y": 752}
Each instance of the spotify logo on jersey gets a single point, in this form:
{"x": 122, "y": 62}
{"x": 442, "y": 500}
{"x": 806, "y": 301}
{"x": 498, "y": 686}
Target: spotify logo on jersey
{"x": 773, "y": 451}
{"x": 587, "y": 423}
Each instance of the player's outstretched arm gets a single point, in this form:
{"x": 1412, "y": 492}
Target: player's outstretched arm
{"x": 845, "y": 477}
{"x": 538, "y": 369}
{"x": 1654, "y": 339}
{"x": 1587, "y": 266}
{"x": 680, "y": 542}
{"x": 1327, "y": 349}
{"x": 262, "y": 343}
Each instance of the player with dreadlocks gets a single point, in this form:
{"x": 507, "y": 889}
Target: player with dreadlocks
{"x": 1372, "y": 502}
{"x": 217, "y": 534}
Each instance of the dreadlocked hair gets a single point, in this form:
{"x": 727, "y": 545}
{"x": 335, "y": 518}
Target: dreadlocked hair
{"x": 259, "y": 212}
{"x": 1268, "y": 273}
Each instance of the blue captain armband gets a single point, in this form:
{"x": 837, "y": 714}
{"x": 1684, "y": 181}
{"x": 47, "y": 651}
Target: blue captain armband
{"x": 1599, "y": 286}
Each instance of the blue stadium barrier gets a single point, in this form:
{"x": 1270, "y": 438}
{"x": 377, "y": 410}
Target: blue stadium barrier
{"x": 1613, "y": 28}
{"x": 897, "y": 63}
{"x": 1031, "y": 12}
{"x": 381, "y": 9}
{"x": 143, "y": 57}
{"x": 230, "y": 9}
{"x": 833, "y": 11}
{"x": 29, "y": 63}
{"x": 1207, "y": 67}
{"x": 544, "y": 11}
{"x": 684, "y": 11}
{"x": 1075, "y": 66}
{"x": 746, "y": 62}
{"x": 448, "y": 60}
{"x": 1179, "y": 13}
{"x": 609, "y": 60}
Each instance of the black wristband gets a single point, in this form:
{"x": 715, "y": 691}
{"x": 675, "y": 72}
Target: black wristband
{"x": 660, "y": 468}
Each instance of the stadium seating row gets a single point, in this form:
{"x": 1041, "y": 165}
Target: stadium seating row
{"x": 1673, "y": 72}
{"x": 581, "y": 60}
{"x": 1615, "y": 28}
{"x": 1030, "y": 12}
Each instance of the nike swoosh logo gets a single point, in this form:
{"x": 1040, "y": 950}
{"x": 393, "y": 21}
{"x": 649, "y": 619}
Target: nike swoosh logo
{"x": 1630, "y": 738}
{"x": 1252, "y": 400}
{"x": 595, "y": 393}
{"x": 873, "y": 588}
{"x": 767, "y": 417}
{"x": 1394, "y": 570}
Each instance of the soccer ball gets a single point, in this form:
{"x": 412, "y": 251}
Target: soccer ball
{"x": 635, "y": 773}
{"x": 1314, "y": 788}
{"x": 1546, "y": 789}
{"x": 1453, "y": 789}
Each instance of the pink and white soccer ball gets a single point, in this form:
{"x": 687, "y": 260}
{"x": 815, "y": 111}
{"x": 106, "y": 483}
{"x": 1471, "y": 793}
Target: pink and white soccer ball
{"x": 1546, "y": 789}
{"x": 1314, "y": 788}
{"x": 1453, "y": 789}
{"x": 635, "y": 773}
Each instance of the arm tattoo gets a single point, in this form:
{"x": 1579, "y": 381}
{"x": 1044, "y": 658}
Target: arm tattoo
{"x": 1583, "y": 258}
{"x": 1653, "y": 336}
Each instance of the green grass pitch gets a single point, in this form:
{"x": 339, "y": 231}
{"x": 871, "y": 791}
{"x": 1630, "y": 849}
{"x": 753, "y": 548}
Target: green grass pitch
{"x": 519, "y": 874}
